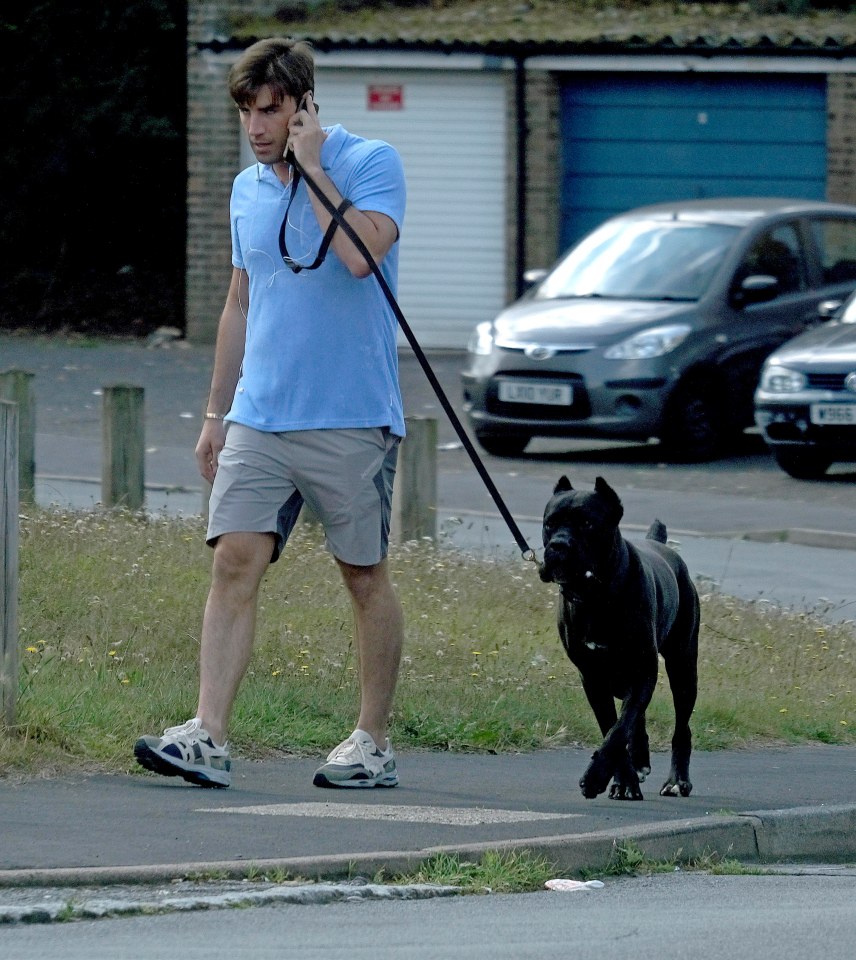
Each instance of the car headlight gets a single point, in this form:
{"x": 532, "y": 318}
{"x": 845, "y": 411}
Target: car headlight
{"x": 776, "y": 379}
{"x": 649, "y": 343}
{"x": 481, "y": 342}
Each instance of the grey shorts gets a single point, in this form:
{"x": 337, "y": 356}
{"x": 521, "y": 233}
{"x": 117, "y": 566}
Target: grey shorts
{"x": 344, "y": 476}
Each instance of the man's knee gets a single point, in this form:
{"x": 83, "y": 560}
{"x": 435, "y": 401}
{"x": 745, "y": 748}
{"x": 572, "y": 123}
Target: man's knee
{"x": 242, "y": 557}
{"x": 365, "y": 583}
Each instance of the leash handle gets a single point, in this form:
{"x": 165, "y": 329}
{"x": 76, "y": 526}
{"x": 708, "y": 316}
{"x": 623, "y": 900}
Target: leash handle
{"x": 526, "y": 551}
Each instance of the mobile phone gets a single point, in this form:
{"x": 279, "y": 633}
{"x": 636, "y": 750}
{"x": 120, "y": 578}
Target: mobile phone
{"x": 288, "y": 156}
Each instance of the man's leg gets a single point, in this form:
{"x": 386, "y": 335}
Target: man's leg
{"x": 228, "y": 627}
{"x": 196, "y": 750}
{"x": 379, "y": 633}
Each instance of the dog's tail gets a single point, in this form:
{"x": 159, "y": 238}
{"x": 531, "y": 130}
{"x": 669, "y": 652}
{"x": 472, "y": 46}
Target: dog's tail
{"x": 657, "y": 531}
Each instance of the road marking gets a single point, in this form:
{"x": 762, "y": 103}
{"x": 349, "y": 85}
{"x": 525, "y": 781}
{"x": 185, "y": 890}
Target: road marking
{"x": 450, "y": 816}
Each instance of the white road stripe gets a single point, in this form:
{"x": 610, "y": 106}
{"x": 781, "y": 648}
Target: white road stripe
{"x": 450, "y": 816}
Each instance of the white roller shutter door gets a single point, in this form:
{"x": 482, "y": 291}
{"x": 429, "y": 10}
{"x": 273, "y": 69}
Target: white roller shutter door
{"x": 450, "y": 129}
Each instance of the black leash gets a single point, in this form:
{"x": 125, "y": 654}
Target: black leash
{"x": 338, "y": 217}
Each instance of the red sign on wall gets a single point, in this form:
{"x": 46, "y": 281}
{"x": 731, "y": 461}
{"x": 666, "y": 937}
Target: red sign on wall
{"x": 385, "y": 96}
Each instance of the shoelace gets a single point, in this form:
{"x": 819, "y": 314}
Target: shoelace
{"x": 351, "y": 749}
{"x": 189, "y": 726}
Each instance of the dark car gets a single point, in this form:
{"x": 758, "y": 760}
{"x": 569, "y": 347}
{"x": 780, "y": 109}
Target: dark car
{"x": 657, "y": 323}
{"x": 805, "y": 403}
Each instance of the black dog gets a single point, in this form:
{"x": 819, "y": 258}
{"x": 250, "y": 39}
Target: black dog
{"x": 621, "y": 604}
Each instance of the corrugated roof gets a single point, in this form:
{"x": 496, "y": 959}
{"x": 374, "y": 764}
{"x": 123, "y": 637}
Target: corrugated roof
{"x": 531, "y": 27}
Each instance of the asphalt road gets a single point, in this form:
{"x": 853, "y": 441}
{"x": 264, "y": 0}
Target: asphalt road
{"x": 678, "y": 915}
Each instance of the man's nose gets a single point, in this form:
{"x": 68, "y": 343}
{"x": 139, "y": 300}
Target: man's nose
{"x": 255, "y": 124}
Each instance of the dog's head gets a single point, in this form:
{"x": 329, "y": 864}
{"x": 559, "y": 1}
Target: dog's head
{"x": 580, "y": 534}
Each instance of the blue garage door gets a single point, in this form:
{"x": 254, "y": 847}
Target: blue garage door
{"x": 631, "y": 139}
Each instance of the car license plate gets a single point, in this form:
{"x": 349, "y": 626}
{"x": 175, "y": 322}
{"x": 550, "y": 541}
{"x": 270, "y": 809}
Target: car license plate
{"x": 833, "y": 414}
{"x": 533, "y": 391}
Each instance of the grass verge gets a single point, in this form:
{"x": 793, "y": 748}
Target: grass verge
{"x": 110, "y": 607}
{"x": 523, "y": 872}
{"x": 495, "y": 872}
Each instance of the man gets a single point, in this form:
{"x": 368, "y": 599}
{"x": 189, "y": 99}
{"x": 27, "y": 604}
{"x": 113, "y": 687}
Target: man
{"x": 304, "y": 406}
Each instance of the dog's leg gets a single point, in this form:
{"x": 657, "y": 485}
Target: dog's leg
{"x": 625, "y": 784}
{"x": 640, "y": 753}
{"x": 612, "y": 759}
{"x": 682, "y": 679}
{"x": 602, "y": 766}
{"x": 618, "y": 742}
{"x": 680, "y": 653}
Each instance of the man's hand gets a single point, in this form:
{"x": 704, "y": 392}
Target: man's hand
{"x": 305, "y": 134}
{"x": 212, "y": 439}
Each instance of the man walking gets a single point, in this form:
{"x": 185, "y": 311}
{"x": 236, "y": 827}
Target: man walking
{"x": 304, "y": 406}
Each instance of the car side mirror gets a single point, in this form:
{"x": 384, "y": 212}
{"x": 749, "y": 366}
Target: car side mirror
{"x": 758, "y": 288}
{"x": 533, "y": 276}
{"x": 827, "y": 309}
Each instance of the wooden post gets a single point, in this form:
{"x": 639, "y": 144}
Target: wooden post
{"x": 123, "y": 458}
{"x": 8, "y": 563}
{"x": 414, "y": 501}
{"x": 17, "y": 386}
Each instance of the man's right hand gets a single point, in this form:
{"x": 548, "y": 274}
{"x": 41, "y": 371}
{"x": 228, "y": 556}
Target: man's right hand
{"x": 212, "y": 439}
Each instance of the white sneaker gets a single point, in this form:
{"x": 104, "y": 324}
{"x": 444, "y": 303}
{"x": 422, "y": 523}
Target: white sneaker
{"x": 358, "y": 762}
{"x": 186, "y": 751}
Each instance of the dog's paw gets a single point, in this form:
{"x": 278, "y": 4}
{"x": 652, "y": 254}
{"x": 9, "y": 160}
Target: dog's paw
{"x": 590, "y": 789}
{"x": 676, "y": 788}
{"x": 596, "y": 778}
{"x": 625, "y": 791}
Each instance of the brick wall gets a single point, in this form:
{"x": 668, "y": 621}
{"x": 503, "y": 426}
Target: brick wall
{"x": 213, "y": 158}
{"x": 542, "y": 170}
{"x": 542, "y": 176}
{"x": 841, "y": 138}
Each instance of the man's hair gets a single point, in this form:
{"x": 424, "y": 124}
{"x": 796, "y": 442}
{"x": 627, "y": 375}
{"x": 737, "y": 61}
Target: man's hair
{"x": 286, "y": 66}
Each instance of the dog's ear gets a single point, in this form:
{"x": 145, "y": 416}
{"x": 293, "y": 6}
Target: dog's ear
{"x": 602, "y": 488}
{"x": 562, "y": 486}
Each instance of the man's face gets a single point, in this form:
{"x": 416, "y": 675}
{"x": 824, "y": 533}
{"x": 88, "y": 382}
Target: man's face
{"x": 266, "y": 124}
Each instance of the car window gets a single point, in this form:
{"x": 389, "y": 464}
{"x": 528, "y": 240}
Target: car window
{"x": 641, "y": 259}
{"x": 775, "y": 253}
{"x": 836, "y": 245}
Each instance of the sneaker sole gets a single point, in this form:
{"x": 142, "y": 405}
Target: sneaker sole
{"x": 321, "y": 780}
{"x": 151, "y": 760}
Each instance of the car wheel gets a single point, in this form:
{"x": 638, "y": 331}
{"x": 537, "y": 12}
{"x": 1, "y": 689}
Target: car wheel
{"x": 510, "y": 445}
{"x": 694, "y": 425}
{"x": 802, "y": 464}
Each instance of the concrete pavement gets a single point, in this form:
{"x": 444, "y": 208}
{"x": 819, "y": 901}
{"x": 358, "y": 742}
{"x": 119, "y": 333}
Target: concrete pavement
{"x": 796, "y": 803}
{"x": 759, "y": 805}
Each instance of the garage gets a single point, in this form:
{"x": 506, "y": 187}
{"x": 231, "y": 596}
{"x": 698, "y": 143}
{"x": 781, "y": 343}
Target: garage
{"x": 450, "y": 128}
{"x": 631, "y": 139}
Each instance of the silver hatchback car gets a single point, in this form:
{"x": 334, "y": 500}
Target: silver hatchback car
{"x": 805, "y": 404}
{"x": 657, "y": 323}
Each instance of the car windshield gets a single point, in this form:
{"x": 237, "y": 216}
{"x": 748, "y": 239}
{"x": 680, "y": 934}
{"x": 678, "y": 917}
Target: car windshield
{"x": 641, "y": 260}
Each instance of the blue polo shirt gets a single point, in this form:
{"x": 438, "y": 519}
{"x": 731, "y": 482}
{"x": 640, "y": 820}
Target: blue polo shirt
{"x": 321, "y": 344}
